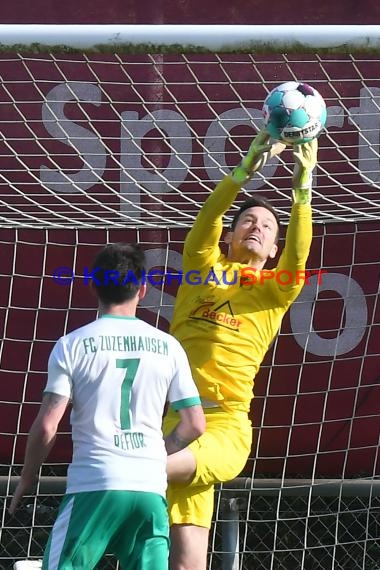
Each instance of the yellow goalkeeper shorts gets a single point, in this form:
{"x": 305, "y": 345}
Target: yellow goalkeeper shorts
{"x": 221, "y": 454}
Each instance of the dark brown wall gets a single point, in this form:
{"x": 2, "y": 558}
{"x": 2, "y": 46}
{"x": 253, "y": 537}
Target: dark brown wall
{"x": 190, "y": 12}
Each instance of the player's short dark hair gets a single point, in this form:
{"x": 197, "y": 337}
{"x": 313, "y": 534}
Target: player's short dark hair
{"x": 118, "y": 269}
{"x": 252, "y": 202}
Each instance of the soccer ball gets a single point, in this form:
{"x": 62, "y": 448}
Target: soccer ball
{"x": 294, "y": 113}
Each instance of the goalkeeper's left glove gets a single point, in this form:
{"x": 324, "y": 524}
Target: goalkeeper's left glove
{"x": 305, "y": 158}
{"x": 256, "y": 158}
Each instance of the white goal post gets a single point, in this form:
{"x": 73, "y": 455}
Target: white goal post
{"x": 119, "y": 133}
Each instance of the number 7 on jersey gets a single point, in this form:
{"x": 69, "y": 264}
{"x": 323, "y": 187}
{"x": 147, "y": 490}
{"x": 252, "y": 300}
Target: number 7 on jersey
{"x": 131, "y": 365}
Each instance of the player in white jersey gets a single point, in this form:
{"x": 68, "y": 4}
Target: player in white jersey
{"x": 118, "y": 372}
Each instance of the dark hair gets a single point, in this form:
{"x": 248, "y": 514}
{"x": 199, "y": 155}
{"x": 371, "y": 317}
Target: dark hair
{"x": 118, "y": 271}
{"x": 252, "y": 203}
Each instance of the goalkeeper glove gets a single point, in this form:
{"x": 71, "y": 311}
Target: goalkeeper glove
{"x": 305, "y": 158}
{"x": 257, "y": 156}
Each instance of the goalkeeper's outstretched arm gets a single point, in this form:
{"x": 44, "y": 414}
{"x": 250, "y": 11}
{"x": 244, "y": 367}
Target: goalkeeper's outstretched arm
{"x": 208, "y": 226}
{"x": 258, "y": 154}
{"x": 299, "y": 232}
{"x": 305, "y": 158}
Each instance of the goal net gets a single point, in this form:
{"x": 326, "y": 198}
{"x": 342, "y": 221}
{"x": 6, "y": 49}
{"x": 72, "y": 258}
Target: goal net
{"x": 105, "y": 147}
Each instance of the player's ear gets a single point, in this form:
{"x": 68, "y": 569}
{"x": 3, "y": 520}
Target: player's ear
{"x": 142, "y": 291}
{"x": 273, "y": 251}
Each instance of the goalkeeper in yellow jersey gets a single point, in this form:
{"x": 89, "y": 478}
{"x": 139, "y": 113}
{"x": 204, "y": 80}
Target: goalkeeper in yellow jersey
{"x": 226, "y": 324}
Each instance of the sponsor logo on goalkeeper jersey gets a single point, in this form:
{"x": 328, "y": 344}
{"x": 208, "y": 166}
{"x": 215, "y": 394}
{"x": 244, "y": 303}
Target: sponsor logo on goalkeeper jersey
{"x": 220, "y": 315}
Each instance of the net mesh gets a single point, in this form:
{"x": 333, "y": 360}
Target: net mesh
{"x": 316, "y": 406}
{"x": 105, "y": 148}
{"x": 123, "y": 140}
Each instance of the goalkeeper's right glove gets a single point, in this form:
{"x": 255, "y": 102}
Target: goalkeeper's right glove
{"x": 305, "y": 158}
{"x": 257, "y": 156}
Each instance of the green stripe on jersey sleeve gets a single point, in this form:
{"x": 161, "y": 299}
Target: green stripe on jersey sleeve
{"x": 186, "y": 403}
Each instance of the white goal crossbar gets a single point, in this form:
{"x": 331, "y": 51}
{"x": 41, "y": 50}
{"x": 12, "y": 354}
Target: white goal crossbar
{"x": 212, "y": 37}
